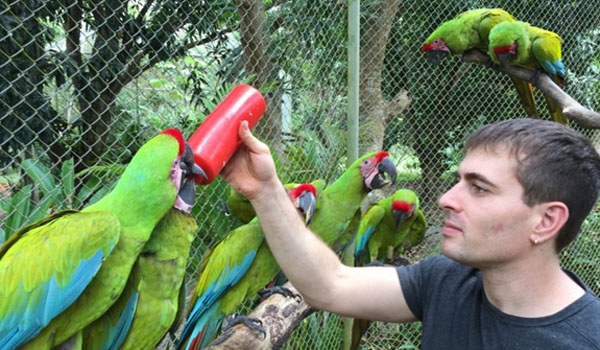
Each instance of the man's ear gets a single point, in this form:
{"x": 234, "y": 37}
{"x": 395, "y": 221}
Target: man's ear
{"x": 553, "y": 216}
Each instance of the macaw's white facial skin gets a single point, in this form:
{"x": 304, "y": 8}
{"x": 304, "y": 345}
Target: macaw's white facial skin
{"x": 487, "y": 222}
{"x": 176, "y": 176}
{"x": 378, "y": 171}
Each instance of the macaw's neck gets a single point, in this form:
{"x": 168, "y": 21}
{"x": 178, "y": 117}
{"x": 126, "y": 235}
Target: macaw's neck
{"x": 349, "y": 186}
{"x": 141, "y": 198}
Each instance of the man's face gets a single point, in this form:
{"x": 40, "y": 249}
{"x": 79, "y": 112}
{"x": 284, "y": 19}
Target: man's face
{"x": 487, "y": 223}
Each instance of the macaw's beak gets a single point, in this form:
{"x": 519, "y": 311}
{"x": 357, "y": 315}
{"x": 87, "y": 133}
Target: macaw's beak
{"x": 504, "y": 58}
{"x": 435, "y": 57}
{"x": 400, "y": 217}
{"x": 187, "y": 190}
{"x": 307, "y": 203}
{"x": 188, "y": 165}
{"x": 387, "y": 173}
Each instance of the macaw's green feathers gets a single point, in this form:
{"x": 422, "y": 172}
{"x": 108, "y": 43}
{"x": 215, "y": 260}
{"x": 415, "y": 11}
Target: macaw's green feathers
{"x": 240, "y": 206}
{"x": 395, "y": 221}
{"x": 468, "y": 30}
{"x": 242, "y": 209}
{"x": 147, "y": 308}
{"x": 338, "y": 203}
{"x": 520, "y": 44}
{"x": 76, "y": 241}
{"x": 221, "y": 269}
{"x": 395, "y": 224}
{"x": 234, "y": 271}
{"x": 471, "y": 30}
{"x": 47, "y": 266}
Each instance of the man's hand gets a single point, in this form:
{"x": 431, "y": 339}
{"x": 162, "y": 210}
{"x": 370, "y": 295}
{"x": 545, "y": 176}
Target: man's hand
{"x": 251, "y": 169}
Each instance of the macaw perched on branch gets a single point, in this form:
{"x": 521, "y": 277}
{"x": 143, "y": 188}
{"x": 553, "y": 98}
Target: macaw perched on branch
{"x": 340, "y": 201}
{"x": 394, "y": 222}
{"x": 236, "y": 269}
{"x": 470, "y": 30}
{"x": 154, "y": 295}
{"x": 61, "y": 273}
{"x": 242, "y": 209}
{"x": 520, "y": 44}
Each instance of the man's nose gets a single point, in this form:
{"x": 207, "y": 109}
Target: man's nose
{"x": 449, "y": 200}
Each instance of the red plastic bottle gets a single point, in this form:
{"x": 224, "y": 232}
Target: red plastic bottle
{"x": 216, "y": 139}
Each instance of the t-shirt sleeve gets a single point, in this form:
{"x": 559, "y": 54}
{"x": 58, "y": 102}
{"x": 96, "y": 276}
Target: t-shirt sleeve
{"x": 416, "y": 282}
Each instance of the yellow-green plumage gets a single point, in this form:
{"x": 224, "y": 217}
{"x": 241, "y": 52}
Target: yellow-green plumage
{"x": 123, "y": 218}
{"x": 235, "y": 270}
{"x": 240, "y": 206}
{"x": 470, "y": 30}
{"x": 157, "y": 278}
{"x": 536, "y": 48}
{"x": 384, "y": 226}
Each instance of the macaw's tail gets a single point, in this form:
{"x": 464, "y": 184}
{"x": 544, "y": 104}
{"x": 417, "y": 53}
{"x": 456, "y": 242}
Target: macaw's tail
{"x": 203, "y": 332}
{"x": 553, "y": 108}
{"x": 525, "y": 92}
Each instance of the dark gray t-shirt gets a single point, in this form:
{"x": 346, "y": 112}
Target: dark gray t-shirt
{"x": 449, "y": 299}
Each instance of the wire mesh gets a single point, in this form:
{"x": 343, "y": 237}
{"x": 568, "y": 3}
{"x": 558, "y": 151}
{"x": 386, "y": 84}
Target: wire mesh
{"x": 84, "y": 84}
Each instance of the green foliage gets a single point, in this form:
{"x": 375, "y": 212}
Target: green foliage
{"x": 583, "y": 254}
{"x": 23, "y": 78}
{"x": 31, "y": 203}
{"x": 321, "y": 330}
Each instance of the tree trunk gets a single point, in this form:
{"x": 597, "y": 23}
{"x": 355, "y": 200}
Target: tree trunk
{"x": 375, "y": 112}
{"x": 256, "y": 61}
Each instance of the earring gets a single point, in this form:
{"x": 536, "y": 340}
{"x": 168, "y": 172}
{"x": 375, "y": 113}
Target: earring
{"x": 535, "y": 241}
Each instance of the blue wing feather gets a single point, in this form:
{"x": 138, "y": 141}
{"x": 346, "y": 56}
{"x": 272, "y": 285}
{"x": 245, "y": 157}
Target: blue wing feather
{"x": 227, "y": 277}
{"x": 119, "y": 332}
{"x": 45, "y": 302}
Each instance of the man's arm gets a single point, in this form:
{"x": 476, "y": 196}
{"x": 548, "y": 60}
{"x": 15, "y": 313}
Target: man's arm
{"x": 312, "y": 267}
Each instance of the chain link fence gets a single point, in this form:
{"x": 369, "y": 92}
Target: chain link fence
{"x": 83, "y": 84}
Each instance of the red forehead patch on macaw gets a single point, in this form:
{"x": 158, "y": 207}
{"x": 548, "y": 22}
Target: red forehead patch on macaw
{"x": 296, "y": 192}
{"x": 177, "y": 135}
{"x": 379, "y": 157}
{"x": 502, "y": 49}
{"x": 427, "y": 47}
{"x": 402, "y": 206}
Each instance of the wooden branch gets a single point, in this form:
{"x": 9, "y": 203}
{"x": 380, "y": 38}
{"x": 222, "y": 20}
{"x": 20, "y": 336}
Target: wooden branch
{"x": 279, "y": 316}
{"x": 570, "y": 107}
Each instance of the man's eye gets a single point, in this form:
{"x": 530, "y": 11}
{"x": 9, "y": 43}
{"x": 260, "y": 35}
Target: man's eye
{"x": 478, "y": 189}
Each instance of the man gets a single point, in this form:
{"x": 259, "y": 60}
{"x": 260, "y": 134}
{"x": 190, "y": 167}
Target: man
{"x": 521, "y": 194}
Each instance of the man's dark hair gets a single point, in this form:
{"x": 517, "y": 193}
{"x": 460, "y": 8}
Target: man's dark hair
{"x": 554, "y": 163}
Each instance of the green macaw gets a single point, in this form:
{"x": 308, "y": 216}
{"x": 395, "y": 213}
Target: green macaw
{"x": 520, "y": 44}
{"x": 148, "y": 306}
{"x": 61, "y": 273}
{"x": 240, "y": 206}
{"x": 394, "y": 222}
{"x": 339, "y": 202}
{"x": 236, "y": 269}
{"x": 242, "y": 209}
{"x": 470, "y": 30}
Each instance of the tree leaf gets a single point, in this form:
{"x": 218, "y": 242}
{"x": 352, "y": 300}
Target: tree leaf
{"x": 39, "y": 174}
{"x": 68, "y": 180}
{"x": 19, "y": 209}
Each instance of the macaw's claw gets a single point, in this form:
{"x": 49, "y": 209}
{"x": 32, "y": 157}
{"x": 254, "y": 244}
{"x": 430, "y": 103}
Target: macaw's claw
{"x": 267, "y": 292}
{"x": 252, "y": 323}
